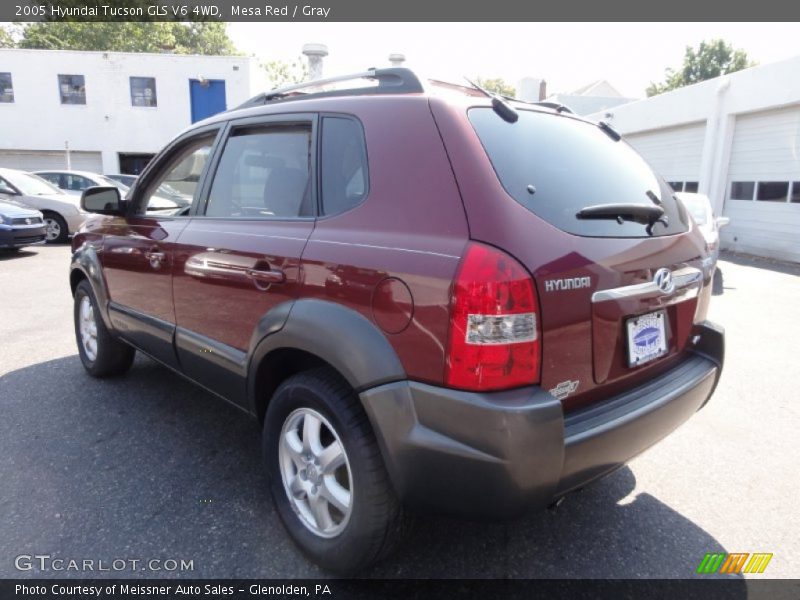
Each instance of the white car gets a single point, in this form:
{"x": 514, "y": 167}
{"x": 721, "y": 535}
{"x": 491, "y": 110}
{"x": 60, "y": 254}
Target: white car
{"x": 699, "y": 206}
{"x": 75, "y": 182}
{"x": 62, "y": 213}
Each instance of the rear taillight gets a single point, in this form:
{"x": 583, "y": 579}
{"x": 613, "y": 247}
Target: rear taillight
{"x": 494, "y": 324}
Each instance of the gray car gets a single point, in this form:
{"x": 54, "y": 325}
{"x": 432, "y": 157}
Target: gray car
{"x": 76, "y": 182}
{"x": 20, "y": 226}
{"x": 62, "y": 213}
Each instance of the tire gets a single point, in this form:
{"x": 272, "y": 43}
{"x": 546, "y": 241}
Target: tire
{"x": 57, "y": 230}
{"x": 368, "y": 529}
{"x": 102, "y": 355}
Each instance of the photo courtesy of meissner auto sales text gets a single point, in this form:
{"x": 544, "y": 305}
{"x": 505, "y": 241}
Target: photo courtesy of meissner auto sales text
{"x": 365, "y": 300}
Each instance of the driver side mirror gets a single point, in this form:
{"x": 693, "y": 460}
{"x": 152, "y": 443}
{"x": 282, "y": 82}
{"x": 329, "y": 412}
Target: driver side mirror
{"x": 103, "y": 200}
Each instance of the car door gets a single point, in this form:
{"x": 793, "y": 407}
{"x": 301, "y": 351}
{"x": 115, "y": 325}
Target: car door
{"x": 137, "y": 253}
{"x": 239, "y": 256}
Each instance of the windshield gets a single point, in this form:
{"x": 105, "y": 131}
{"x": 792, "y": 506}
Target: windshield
{"x": 557, "y": 165}
{"x": 113, "y": 182}
{"x": 31, "y": 185}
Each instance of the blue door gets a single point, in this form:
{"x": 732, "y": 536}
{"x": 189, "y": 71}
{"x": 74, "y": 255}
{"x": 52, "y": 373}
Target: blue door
{"x": 207, "y": 97}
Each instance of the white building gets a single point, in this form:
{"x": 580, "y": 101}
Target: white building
{"x": 113, "y": 110}
{"x": 735, "y": 138}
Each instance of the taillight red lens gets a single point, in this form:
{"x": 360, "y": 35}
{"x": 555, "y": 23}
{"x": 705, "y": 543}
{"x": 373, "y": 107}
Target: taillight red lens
{"x": 494, "y": 324}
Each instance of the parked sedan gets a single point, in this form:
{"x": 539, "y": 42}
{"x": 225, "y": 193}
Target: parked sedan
{"x": 75, "y": 182}
{"x": 699, "y": 206}
{"x": 124, "y": 178}
{"x": 62, "y": 213}
{"x": 20, "y": 226}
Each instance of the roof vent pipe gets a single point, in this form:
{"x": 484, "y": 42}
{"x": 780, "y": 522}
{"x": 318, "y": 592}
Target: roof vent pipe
{"x": 315, "y": 54}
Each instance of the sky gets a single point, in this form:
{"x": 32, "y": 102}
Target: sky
{"x": 566, "y": 55}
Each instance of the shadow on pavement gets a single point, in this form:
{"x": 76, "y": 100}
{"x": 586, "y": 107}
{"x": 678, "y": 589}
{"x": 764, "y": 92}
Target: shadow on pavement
{"x": 748, "y": 260}
{"x": 150, "y": 466}
{"x": 6, "y": 254}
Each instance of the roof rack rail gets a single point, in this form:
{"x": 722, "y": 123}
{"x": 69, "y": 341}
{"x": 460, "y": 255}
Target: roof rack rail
{"x": 556, "y": 106}
{"x": 393, "y": 80}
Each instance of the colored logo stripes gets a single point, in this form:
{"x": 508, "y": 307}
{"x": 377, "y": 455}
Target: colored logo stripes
{"x": 741, "y": 562}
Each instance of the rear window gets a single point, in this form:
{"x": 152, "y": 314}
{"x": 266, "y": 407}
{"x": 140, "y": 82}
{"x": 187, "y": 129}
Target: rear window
{"x": 556, "y": 165}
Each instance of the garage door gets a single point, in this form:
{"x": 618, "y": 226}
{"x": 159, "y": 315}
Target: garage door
{"x": 675, "y": 153}
{"x": 763, "y": 193}
{"x": 37, "y": 160}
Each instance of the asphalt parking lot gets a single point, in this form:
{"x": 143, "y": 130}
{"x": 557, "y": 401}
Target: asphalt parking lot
{"x": 149, "y": 466}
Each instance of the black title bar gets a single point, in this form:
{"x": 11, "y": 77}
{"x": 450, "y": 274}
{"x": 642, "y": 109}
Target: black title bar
{"x": 397, "y": 10}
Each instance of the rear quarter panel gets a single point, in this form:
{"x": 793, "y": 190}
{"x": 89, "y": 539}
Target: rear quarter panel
{"x": 410, "y": 228}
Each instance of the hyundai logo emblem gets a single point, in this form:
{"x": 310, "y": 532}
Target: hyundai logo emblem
{"x": 663, "y": 281}
{"x": 27, "y": 221}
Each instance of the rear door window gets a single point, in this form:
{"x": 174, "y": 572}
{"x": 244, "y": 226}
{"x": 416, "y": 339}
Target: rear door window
{"x": 556, "y": 165}
{"x": 343, "y": 166}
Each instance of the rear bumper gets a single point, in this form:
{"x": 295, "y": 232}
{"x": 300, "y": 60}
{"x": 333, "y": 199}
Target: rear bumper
{"x": 499, "y": 455}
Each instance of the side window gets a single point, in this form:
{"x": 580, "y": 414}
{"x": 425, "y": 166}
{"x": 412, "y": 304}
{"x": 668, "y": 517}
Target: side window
{"x": 181, "y": 171}
{"x": 6, "y": 88}
{"x": 143, "y": 91}
{"x": 264, "y": 172}
{"x": 51, "y": 177}
{"x": 343, "y": 167}
{"x": 72, "y": 89}
{"x": 77, "y": 183}
{"x": 742, "y": 190}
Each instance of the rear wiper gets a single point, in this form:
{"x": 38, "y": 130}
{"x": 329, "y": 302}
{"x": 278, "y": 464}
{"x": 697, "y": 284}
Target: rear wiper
{"x": 646, "y": 214}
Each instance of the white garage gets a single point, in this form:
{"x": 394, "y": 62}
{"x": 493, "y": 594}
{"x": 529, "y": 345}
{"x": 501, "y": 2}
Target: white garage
{"x": 737, "y": 139}
{"x": 38, "y": 160}
{"x": 675, "y": 153}
{"x": 763, "y": 196}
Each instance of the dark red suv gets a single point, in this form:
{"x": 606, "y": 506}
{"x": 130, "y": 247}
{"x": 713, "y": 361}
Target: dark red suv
{"x": 431, "y": 297}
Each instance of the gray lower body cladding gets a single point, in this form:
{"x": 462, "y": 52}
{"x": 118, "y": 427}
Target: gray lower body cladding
{"x": 502, "y": 454}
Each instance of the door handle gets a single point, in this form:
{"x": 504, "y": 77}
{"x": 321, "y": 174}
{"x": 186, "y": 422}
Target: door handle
{"x": 156, "y": 257}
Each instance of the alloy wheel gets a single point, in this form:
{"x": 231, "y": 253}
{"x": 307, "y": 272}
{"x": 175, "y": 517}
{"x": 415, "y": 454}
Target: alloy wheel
{"x": 88, "y": 328}
{"x": 53, "y": 229}
{"x": 316, "y": 472}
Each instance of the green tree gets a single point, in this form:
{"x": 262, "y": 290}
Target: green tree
{"x": 181, "y": 38}
{"x": 280, "y": 73}
{"x": 710, "y": 59}
{"x": 497, "y": 85}
{"x": 6, "y": 37}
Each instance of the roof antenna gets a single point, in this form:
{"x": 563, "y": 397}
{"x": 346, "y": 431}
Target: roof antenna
{"x": 504, "y": 110}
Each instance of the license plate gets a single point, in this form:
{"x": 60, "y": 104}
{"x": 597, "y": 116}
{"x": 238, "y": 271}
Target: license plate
{"x": 647, "y": 339}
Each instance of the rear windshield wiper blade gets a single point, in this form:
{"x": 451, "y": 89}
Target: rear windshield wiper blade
{"x": 646, "y": 214}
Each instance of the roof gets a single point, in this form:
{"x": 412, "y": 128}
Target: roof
{"x": 601, "y": 87}
{"x": 88, "y": 174}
